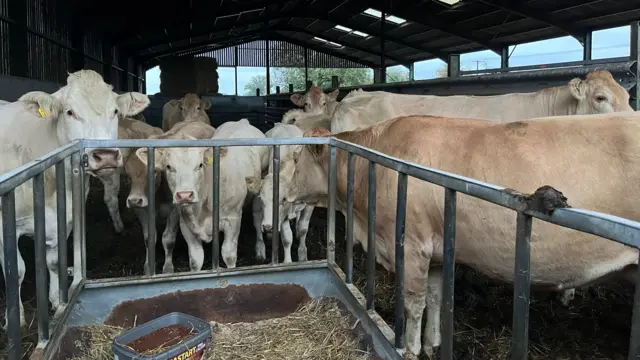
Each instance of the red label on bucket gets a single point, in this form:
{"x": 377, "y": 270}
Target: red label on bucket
{"x": 194, "y": 353}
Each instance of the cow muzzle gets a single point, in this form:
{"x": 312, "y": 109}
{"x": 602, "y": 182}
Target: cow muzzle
{"x": 267, "y": 228}
{"x": 135, "y": 201}
{"x": 100, "y": 159}
{"x": 185, "y": 197}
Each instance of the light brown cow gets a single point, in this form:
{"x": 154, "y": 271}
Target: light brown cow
{"x": 600, "y": 150}
{"x": 189, "y": 108}
{"x": 316, "y": 101}
{"x": 599, "y": 93}
{"x": 306, "y": 120}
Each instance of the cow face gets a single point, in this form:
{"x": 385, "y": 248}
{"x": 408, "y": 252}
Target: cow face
{"x": 193, "y": 108}
{"x": 600, "y": 93}
{"x": 316, "y": 101}
{"x": 137, "y": 172}
{"x": 87, "y": 108}
{"x": 184, "y": 169}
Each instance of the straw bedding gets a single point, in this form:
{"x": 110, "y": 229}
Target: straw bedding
{"x": 318, "y": 330}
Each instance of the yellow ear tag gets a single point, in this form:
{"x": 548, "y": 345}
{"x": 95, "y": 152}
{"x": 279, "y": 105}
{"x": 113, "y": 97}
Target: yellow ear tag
{"x": 209, "y": 160}
{"x": 42, "y": 112}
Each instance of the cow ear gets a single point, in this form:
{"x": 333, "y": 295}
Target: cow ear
{"x": 205, "y": 104}
{"x": 208, "y": 156}
{"x": 143, "y": 155}
{"x": 173, "y": 102}
{"x": 223, "y": 151}
{"x": 334, "y": 94}
{"x": 578, "y": 88}
{"x": 132, "y": 103}
{"x": 254, "y": 184}
{"x": 297, "y": 151}
{"x": 297, "y": 99}
{"x": 43, "y": 104}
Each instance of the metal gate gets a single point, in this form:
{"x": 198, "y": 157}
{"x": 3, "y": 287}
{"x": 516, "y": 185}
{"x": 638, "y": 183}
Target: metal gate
{"x": 607, "y": 226}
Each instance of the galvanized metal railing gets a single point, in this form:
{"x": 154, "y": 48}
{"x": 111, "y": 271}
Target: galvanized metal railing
{"x": 610, "y": 227}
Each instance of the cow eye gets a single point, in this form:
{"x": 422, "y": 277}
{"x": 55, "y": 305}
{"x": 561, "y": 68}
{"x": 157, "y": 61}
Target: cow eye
{"x": 70, "y": 112}
{"x": 181, "y": 108}
{"x": 201, "y": 165}
{"x": 115, "y": 111}
{"x": 601, "y": 98}
{"x": 168, "y": 167}
{"x": 198, "y": 108}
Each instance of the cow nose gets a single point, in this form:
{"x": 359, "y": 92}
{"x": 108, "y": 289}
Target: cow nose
{"x": 135, "y": 201}
{"x": 106, "y": 158}
{"x": 184, "y": 197}
{"x": 267, "y": 228}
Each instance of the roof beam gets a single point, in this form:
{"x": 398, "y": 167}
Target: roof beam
{"x": 228, "y": 8}
{"x": 435, "y": 23}
{"x": 547, "y": 18}
{"x": 349, "y": 44}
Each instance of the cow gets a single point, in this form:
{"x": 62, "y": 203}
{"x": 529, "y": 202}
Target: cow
{"x": 4, "y": 102}
{"x": 520, "y": 155}
{"x": 189, "y": 108}
{"x": 306, "y": 120}
{"x": 263, "y": 204}
{"x": 316, "y": 101}
{"x": 598, "y": 93}
{"x": 38, "y": 123}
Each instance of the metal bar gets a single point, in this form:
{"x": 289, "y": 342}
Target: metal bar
{"x": 12, "y": 282}
{"x": 579, "y": 63}
{"x": 634, "y": 342}
{"x": 78, "y": 199}
{"x": 16, "y": 177}
{"x": 401, "y": 217}
{"x": 351, "y": 171}
{"x": 635, "y": 57}
{"x": 371, "y": 238}
{"x": 215, "y": 261}
{"x": 331, "y": 209}
{"x": 521, "y": 289}
{"x": 383, "y": 65}
{"x": 453, "y": 65}
{"x": 275, "y": 216}
{"x": 61, "y": 202}
{"x": 448, "y": 278}
{"x": 587, "y": 48}
{"x": 504, "y": 57}
{"x": 268, "y": 67}
{"x": 164, "y": 143}
{"x": 151, "y": 212}
{"x": 40, "y": 257}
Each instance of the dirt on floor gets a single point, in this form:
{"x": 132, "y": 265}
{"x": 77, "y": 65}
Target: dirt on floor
{"x": 596, "y": 325}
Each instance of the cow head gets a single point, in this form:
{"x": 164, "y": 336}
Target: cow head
{"x": 87, "y": 108}
{"x": 137, "y": 172}
{"x": 184, "y": 168}
{"x": 193, "y": 108}
{"x": 316, "y": 101}
{"x": 599, "y": 93}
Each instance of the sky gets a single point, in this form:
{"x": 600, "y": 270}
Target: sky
{"x": 606, "y": 44}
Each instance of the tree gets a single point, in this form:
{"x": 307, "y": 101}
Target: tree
{"x": 398, "y": 75}
{"x": 256, "y": 82}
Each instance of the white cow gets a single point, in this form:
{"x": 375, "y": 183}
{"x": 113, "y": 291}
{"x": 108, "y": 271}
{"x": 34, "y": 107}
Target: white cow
{"x": 316, "y": 101}
{"x": 4, "y": 102}
{"x": 85, "y": 108}
{"x": 263, "y": 203}
{"x": 189, "y": 176}
{"x": 599, "y": 93}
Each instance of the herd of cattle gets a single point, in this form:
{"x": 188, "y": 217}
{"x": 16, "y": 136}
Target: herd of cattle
{"x": 582, "y": 138}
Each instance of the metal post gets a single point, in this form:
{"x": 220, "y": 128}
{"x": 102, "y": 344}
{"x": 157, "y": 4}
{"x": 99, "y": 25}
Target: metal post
{"x": 309, "y": 85}
{"x": 522, "y": 279}
{"x": 453, "y": 65}
{"x": 61, "y": 202}
{"x": 40, "y": 257}
{"x": 151, "y": 212}
{"x": 235, "y": 56}
{"x": 448, "y": 277}
{"x": 351, "y": 170}
{"x": 335, "y": 82}
{"x": 504, "y": 58}
{"x": 275, "y": 216}
{"x": 290, "y": 88}
{"x": 383, "y": 66}
{"x": 78, "y": 199}
{"x": 371, "y": 238}
{"x": 277, "y": 89}
{"x": 331, "y": 209}
{"x": 268, "y": 72}
{"x": 588, "y": 46}
{"x": 216, "y": 209}
{"x": 306, "y": 68}
{"x": 10, "y": 269}
{"x": 635, "y": 56}
{"x": 401, "y": 217}
{"x": 412, "y": 71}
{"x": 634, "y": 342}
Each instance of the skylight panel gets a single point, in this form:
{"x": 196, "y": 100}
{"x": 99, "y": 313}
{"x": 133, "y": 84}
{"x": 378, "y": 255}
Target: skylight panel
{"x": 390, "y": 18}
{"x": 334, "y": 44}
{"x": 360, "y": 33}
{"x": 327, "y": 42}
{"x": 319, "y": 39}
{"x": 449, "y": 2}
{"x": 343, "y": 28}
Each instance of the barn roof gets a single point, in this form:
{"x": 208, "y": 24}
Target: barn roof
{"x": 415, "y": 30}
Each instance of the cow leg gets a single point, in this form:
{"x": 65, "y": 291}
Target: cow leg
{"x": 143, "y": 217}
{"x": 196, "y": 253}
{"x": 111, "y": 191}
{"x": 432, "y": 336}
{"x": 258, "y": 215}
{"x": 302, "y": 228}
{"x": 230, "y": 243}
{"x": 287, "y": 239}
{"x": 169, "y": 240}
{"x": 21, "y": 272}
{"x": 415, "y": 290}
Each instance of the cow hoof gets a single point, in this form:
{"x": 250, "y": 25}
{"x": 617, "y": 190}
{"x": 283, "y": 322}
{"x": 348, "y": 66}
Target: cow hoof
{"x": 567, "y": 296}
{"x": 118, "y": 227}
{"x": 429, "y": 352}
{"x": 261, "y": 252}
{"x": 167, "y": 269}
{"x": 302, "y": 254}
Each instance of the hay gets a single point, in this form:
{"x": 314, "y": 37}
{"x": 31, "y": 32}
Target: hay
{"x": 318, "y": 330}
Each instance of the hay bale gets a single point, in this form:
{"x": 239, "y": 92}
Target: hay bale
{"x": 318, "y": 330}
{"x": 182, "y": 74}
